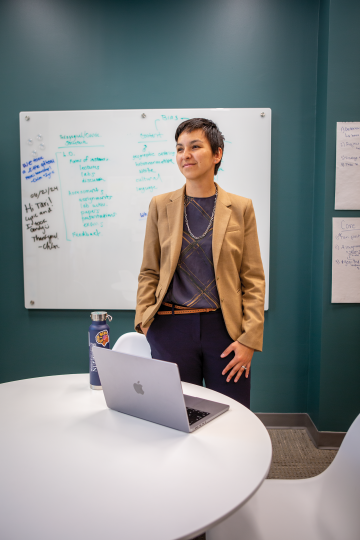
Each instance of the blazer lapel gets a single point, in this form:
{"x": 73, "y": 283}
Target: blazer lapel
{"x": 175, "y": 214}
{"x": 221, "y": 220}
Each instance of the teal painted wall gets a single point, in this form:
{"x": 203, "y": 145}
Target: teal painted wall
{"x": 318, "y": 216}
{"x": 62, "y": 55}
{"x": 334, "y": 396}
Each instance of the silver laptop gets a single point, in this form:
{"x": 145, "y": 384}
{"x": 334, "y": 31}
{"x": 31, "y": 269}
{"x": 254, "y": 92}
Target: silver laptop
{"x": 151, "y": 389}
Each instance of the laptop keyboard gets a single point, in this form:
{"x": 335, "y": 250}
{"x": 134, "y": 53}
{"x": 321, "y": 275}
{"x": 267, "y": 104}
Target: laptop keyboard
{"x": 195, "y": 415}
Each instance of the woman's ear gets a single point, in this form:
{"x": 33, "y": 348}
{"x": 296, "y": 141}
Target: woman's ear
{"x": 218, "y": 155}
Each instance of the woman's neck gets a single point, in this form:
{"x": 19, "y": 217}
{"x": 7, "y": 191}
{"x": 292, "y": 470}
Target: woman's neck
{"x": 196, "y": 188}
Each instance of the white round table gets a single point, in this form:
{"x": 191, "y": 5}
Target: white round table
{"x": 70, "y": 468}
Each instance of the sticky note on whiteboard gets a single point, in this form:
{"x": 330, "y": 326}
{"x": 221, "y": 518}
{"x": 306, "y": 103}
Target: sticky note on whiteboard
{"x": 346, "y": 260}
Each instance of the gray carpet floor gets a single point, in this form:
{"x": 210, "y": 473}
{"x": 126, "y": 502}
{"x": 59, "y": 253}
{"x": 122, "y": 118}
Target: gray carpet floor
{"x": 295, "y": 456}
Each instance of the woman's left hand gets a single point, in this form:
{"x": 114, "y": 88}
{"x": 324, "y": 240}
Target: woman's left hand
{"x": 241, "y": 361}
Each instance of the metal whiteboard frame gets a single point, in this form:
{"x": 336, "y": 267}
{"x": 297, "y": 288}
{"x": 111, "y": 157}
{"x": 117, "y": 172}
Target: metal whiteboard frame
{"x": 79, "y": 165}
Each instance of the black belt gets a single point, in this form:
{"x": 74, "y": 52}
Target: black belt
{"x": 181, "y": 310}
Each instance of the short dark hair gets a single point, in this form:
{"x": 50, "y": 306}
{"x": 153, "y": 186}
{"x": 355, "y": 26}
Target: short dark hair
{"x": 211, "y": 131}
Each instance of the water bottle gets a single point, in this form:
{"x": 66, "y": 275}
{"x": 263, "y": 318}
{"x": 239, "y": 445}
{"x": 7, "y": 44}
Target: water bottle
{"x": 99, "y": 336}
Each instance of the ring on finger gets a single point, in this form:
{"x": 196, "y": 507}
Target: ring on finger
{"x": 244, "y": 367}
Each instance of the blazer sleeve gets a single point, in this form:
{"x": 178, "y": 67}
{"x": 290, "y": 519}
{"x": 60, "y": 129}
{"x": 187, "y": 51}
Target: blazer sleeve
{"x": 252, "y": 279}
{"x": 150, "y": 268}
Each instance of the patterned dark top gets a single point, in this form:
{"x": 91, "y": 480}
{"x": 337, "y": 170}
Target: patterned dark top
{"x": 193, "y": 284}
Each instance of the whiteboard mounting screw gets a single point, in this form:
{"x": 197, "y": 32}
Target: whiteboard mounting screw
{"x": 32, "y": 302}
{"x": 262, "y": 114}
{"x": 27, "y": 118}
{"x": 143, "y": 115}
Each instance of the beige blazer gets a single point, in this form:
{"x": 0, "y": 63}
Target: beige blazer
{"x": 238, "y": 267}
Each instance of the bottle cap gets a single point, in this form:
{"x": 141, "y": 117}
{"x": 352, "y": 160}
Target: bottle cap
{"x": 100, "y": 316}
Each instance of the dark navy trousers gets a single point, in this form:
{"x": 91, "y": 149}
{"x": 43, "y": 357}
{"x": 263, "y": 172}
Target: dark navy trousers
{"x": 195, "y": 341}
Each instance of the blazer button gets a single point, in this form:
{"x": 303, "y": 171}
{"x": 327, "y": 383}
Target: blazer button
{"x": 222, "y": 299}
{"x": 217, "y": 279}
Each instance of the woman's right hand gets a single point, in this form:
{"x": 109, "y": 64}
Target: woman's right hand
{"x": 144, "y": 330}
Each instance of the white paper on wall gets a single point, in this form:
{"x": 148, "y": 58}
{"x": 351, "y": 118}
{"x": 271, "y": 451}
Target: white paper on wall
{"x": 347, "y": 193}
{"x": 346, "y": 260}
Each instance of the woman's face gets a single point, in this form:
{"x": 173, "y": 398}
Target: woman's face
{"x": 194, "y": 155}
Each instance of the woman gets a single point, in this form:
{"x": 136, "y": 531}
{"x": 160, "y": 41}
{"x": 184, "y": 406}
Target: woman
{"x": 200, "y": 299}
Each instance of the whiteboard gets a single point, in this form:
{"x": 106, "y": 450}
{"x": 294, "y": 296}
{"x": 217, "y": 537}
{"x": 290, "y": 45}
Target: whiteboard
{"x": 87, "y": 178}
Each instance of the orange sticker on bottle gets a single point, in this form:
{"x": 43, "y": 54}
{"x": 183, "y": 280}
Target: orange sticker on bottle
{"x": 102, "y": 337}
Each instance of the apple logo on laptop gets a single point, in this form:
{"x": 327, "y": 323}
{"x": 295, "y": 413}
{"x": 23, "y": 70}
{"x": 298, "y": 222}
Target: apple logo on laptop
{"x": 138, "y": 388}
